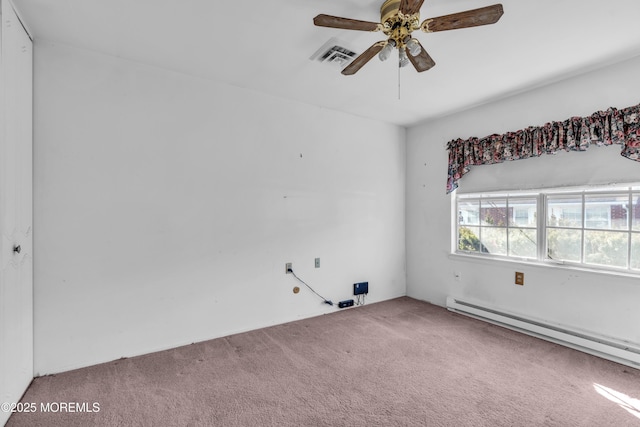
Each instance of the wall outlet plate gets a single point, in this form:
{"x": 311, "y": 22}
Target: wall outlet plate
{"x": 317, "y": 262}
{"x": 519, "y": 278}
{"x": 287, "y": 267}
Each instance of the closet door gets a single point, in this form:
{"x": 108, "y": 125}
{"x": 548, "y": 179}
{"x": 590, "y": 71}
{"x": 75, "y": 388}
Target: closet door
{"x": 16, "y": 262}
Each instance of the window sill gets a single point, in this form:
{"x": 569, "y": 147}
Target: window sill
{"x": 541, "y": 264}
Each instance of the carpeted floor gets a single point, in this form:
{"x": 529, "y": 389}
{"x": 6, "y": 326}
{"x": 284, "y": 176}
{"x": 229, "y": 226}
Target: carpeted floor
{"x": 396, "y": 363}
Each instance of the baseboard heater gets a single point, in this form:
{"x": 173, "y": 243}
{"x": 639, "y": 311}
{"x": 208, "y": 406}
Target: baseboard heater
{"x": 607, "y": 348}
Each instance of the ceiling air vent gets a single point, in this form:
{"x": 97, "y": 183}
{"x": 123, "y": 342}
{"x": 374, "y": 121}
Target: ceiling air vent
{"x": 334, "y": 52}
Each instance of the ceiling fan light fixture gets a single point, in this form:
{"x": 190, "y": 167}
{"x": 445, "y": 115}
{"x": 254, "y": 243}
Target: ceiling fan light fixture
{"x": 414, "y": 47}
{"x": 403, "y": 59}
{"x": 385, "y": 53}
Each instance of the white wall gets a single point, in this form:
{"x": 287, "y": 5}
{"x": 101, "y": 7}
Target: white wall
{"x": 166, "y": 207}
{"x": 595, "y": 302}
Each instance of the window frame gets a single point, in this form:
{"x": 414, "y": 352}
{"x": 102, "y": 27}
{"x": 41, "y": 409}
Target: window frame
{"x": 542, "y": 198}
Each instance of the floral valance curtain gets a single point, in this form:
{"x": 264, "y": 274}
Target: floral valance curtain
{"x": 609, "y": 127}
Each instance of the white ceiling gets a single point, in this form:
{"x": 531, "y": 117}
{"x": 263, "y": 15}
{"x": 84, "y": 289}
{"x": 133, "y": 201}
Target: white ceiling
{"x": 265, "y": 46}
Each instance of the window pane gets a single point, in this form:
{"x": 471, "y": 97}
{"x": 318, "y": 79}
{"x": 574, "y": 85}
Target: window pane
{"x": 606, "y": 248}
{"x": 564, "y": 211}
{"x": 609, "y": 212}
{"x": 494, "y": 240}
{"x": 468, "y": 239}
{"x": 523, "y": 212}
{"x": 564, "y": 245}
{"x": 522, "y": 242}
{"x": 494, "y": 212}
{"x": 635, "y": 251}
{"x": 635, "y": 222}
{"x": 469, "y": 212}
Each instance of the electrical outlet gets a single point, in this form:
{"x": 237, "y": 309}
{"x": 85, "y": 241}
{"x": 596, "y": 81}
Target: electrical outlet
{"x": 317, "y": 262}
{"x": 519, "y": 278}
{"x": 287, "y": 267}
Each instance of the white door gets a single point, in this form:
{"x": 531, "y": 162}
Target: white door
{"x": 16, "y": 262}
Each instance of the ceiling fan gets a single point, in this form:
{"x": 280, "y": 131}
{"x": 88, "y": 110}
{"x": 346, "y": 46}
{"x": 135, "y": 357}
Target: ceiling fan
{"x": 398, "y": 19}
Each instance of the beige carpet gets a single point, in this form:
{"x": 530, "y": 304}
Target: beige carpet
{"x": 397, "y": 363}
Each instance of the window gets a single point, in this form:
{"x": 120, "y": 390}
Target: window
{"x": 598, "y": 228}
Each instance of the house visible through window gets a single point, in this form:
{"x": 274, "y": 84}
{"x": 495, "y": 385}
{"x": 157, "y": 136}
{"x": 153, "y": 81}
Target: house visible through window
{"x": 599, "y": 228}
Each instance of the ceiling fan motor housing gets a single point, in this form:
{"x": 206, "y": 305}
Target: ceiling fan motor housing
{"x": 397, "y": 26}
{"x": 388, "y": 9}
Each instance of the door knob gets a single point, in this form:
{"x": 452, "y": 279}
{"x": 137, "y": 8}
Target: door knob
{"x": 17, "y": 249}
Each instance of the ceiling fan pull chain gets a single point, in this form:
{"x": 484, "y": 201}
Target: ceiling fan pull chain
{"x": 399, "y": 82}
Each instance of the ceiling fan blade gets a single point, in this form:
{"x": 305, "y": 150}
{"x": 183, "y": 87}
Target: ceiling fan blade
{"x": 409, "y": 7}
{"x": 364, "y": 57}
{"x": 422, "y": 61}
{"x": 345, "y": 23}
{"x": 470, "y": 18}
{"x": 404, "y": 6}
